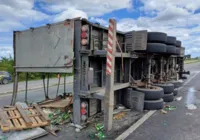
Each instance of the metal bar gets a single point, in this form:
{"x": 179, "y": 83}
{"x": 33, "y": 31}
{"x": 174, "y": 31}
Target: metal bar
{"x": 15, "y": 89}
{"x": 77, "y": 73}
{"x": 26, "y": 90}
{"x": 161, "y": 69}
{"x": 84, "y": 72}
{"x": 44, "y": 85}
{"x": 47, "y": 93}
{"x": 149, "y": 71}
{"x": 65, "y": 83}
{"x": 58, "y": 86}
{"x": 109, "y": 92}
{"x": 15, "y": 84}
{"x": 167, "y": 69}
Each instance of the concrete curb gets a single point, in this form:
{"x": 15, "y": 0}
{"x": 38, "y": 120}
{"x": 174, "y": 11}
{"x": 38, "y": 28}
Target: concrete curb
{"x": 34, "y": 88}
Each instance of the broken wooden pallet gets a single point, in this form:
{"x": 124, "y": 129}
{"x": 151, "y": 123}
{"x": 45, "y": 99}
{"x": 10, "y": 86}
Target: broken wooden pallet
{"x": 18, "y": 118}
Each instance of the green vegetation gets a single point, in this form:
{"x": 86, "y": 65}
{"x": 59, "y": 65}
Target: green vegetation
{"x": 191, "y": 60}
{"x": 6, "y": 64}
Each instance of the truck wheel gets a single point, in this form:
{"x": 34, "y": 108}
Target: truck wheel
{"x": 168, "y": 88}
{"x": 176, "y": 84}
{"x": 157, "y": 37}
{"x": 171, "y": 49}
{"x": 153, "y": 105}
{"x": 156, "y": 48}
{"x": 168, "y": 97}
{"x": 5, "y": 81}
{"x": 154, "y": 93}
{"x": 178, "y": 43}
{"x": 171, "y": 40}
{"x": 175, "y": 92}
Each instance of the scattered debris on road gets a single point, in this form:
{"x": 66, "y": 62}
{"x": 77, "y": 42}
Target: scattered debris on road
{"x": 29, "y": 134}
{"x": 178, "y": 98}
{"x": 165, "y": 123}
{"x": 119, "y": 116}
{"x": 189, "y": 114}
{"x": 169, "y": 108}
{"x": 21, "y": 117}
{"x": 191, "y": 106}
{"x": 163, "y": 111}
{"x": 99, "y": 132}
{"x": 52, "y": 129}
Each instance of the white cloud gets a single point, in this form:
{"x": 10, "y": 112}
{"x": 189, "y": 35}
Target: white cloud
{"x": 70, "y": 13}
{"x": 91, "y": 7}
{"x": 10, "y": 25}
{"x": 158, "y": 5}
{"x": 172, "y": 12}
{"x": 99, "y": 20}
{"x": 20, "y": 10}
{"x": 6, "y": 51}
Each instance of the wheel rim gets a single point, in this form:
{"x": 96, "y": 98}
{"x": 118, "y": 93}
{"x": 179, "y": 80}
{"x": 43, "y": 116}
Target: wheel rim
{"x": 5, "y": 81}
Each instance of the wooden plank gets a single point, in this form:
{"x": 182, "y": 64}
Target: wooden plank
{"x": 15, "y": 122}
{"x": 36, "y": 117}
{"x": 3, "y": 118}
{"x": 14, "y": 108}
{"x": 62, "y": 103}
{"x": 41, "y": 112}
{"x": 24, "y": 115}
{"x": 9, "y": 121}
{"x": 22, "y": 123}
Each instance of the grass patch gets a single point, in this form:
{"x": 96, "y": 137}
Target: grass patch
{"x": 191, "y": 61}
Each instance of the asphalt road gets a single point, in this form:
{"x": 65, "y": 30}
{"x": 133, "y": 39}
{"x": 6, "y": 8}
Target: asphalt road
{"x": 35, "y": 95}
{"x": 181, "y": 124}
{"x": 33, "y": 84}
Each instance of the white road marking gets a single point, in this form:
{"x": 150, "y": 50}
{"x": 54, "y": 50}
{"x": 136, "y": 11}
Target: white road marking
{"x": 187, "y": 81}
{"x": 135, "y": 125}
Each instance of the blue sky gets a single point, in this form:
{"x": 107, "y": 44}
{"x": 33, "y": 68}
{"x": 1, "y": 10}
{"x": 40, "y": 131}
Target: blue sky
{"x": 178, "y": 18}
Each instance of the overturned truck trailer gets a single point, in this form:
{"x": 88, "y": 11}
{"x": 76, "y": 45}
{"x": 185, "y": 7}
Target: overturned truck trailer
{"x": 80, "y": 47}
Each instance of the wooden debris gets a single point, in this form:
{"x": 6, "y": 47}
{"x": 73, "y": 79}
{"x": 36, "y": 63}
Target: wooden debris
{"x": 18, "y": 118}
{"x": 119, "y": 116}
{"x": 163, "y": 111}
{"x": 52, "y": 129}
{"x": 58, "y": 104}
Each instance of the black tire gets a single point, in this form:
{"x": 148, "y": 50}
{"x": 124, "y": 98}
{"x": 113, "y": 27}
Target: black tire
{"x": 178, "y": 43}
{"x": 153, "y": 105}
{"x": 5, "y": 81}
{"x": 130, "y": 97}
{"x": 178, "y": 51}
{"x": 152, "y": 94}
{"x": 176, "y": 84}
{"x": 171, "y": 49}
{"x": 171, "y": 40}
{"x": 168, "y": 88}
{"x": 168, "y": 97}
{"x": 175, "y": 91}
{"x": 156, "y": 48}
{"x": 157, "y": 37}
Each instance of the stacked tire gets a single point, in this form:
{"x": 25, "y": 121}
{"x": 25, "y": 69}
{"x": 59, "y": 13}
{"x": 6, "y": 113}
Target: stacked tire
{"x": 153, "y": 97}
{"x": 178, "y": 47}
{"x": 171, "y": 45}
{"x": 176, "y": 84}
{"x": 155, "y": 43}
{"x": 168, "y": 91}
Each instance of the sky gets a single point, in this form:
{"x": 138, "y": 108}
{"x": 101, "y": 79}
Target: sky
{"x": 178, "y": 18}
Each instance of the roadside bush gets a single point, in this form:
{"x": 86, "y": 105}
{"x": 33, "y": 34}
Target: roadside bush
{"x": 6, "y": 64}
